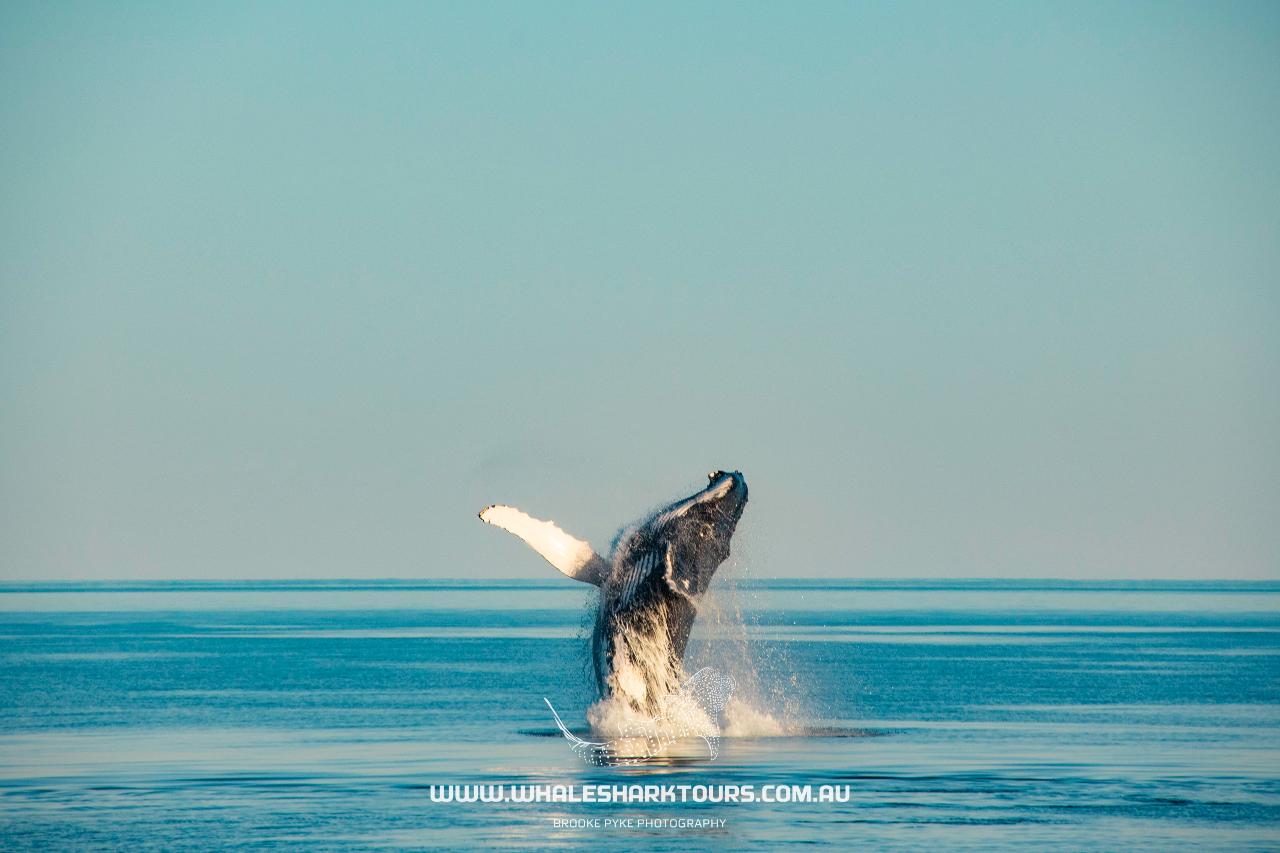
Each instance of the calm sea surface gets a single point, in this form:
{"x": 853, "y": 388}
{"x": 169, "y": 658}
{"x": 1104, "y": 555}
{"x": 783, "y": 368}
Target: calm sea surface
{"x": 973, "y": 715}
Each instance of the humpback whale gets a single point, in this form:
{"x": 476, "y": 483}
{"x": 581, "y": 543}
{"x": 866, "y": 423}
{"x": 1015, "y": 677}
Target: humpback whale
{"x": 650, "y": 585}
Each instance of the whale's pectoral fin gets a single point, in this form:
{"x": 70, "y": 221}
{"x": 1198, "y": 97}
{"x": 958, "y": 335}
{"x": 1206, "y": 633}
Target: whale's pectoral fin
{"x": 574, "y": 557}
{"x": 685, "y": 579}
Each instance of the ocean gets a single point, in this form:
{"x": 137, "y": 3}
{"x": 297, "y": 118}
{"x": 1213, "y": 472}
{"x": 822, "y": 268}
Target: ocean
{"x": 978, "y": 715}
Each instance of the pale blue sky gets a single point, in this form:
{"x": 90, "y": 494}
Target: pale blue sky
{"x": 964, "y": 289}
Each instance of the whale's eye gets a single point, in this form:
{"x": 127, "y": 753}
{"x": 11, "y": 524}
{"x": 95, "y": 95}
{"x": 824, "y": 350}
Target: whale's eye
{"x": 706, "y": 530}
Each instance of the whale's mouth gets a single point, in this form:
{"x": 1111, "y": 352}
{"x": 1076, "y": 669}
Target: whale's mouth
{"x": 726, "y": 488}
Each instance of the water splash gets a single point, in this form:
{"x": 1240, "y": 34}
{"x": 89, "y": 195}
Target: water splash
{"x": 766, "y": 701}
{"x": 688, "y": 714}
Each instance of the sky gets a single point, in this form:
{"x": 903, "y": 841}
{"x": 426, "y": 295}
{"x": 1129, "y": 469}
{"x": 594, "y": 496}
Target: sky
{"x": 964, "y": 289}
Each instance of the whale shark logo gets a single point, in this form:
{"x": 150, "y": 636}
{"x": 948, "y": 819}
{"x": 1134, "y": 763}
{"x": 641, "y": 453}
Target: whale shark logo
{"x": 650, "y": 585}
{"x": 689, "y": 712}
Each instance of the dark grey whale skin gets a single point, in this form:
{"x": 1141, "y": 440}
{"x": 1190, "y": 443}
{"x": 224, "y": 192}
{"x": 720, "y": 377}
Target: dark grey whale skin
{"x": 661, "y": 568}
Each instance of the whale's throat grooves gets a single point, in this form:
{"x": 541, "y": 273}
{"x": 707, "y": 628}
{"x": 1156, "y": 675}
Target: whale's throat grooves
{"x": 638, "y": 651}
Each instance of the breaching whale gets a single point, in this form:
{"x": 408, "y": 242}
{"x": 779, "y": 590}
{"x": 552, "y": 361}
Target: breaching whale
{"x": 650, "y": 586}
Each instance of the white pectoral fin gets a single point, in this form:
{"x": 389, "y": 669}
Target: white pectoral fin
{"x": 573, "y": 557}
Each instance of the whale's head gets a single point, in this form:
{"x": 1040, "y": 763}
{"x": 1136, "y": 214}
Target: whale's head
{"x": 699, "y": 528}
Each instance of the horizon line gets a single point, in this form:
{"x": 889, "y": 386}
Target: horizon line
{"x": 566, "y": 583}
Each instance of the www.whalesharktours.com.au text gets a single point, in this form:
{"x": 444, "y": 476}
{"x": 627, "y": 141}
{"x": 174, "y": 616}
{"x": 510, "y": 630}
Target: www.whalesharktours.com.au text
{"x": 635, "y": 794}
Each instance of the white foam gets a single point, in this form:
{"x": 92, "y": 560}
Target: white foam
{"x": 615, "y": 717}
{"x": 742, "y": 720}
